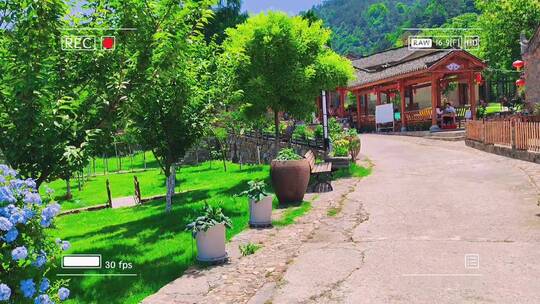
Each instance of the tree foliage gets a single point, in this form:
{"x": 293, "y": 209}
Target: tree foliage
{"x": 48, "y": 97}
{"x": 502, "y": 21}
{"x": 282, "y": 63}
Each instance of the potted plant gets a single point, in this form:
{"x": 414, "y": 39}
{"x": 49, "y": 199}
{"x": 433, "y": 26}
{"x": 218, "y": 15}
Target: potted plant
{"x": 209, "y": 231}
{"x": 290, "y": 176}
{"x": 260, "y": 204}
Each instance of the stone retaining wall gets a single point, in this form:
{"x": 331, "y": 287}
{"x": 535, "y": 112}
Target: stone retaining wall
{"x": 505, "y": 151}
{"x": 246, "y": 150}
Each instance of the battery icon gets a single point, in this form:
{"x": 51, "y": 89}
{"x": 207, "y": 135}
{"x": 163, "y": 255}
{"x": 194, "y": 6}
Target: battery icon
{"x": 81, "y": 261}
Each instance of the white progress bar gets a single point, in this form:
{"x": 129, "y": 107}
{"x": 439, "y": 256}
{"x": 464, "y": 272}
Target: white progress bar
{"x": 81, "y": 261}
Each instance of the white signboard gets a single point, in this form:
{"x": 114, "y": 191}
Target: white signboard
{"x": 384, "y": 113}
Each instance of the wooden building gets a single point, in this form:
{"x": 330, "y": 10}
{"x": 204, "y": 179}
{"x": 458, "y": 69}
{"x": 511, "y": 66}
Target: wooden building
{"x": 420, "y": 76}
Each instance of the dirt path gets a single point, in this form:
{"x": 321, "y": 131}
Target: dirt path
{"x": 400, "y": 236}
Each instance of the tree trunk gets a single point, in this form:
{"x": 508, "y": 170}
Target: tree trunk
{"x": 69, "y": 195}
{"x": 171, "y": 180}
{"x": 276, "y": 125}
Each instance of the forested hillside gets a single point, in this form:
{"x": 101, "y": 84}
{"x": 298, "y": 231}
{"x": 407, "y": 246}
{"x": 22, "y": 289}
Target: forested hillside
{"x": 362, "y": 27}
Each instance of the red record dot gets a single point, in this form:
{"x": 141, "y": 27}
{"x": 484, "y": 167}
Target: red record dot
{"x": 108, "y": 43}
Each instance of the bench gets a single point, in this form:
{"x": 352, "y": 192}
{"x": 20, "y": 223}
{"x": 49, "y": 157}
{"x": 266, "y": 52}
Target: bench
{"x": 418, "y": 116}
{"x": 461, "y": 113}
{"x": 322, "y": 172}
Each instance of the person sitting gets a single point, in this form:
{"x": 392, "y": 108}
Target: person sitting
{"x": 449, "y": 115}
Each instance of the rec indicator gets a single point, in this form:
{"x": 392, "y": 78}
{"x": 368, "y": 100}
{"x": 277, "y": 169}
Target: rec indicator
{"x": 88, "y": 43}
{"x": 81, "y": 261}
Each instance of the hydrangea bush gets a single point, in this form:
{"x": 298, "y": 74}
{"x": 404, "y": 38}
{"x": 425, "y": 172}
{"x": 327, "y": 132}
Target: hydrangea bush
{"x": 27, "y": 252}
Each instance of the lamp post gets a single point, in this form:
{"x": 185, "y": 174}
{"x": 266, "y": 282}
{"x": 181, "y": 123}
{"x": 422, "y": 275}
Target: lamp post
{"x": 325, "y": 121}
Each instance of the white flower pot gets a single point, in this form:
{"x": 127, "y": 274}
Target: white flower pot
{"x": 260, "y": 213}
{"x": 211, "y": 244}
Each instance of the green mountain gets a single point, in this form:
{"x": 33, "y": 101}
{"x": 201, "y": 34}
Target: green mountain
{"x": 362, "y": 27}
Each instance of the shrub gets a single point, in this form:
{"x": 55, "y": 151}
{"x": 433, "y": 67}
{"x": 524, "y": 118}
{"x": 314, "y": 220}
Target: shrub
{"x": 335, "y": 129}
{"x": 354, "y": 147}
{"x": 27, "y": 252}
{"x": 341, "y": 147}
{"x": 287, "y": 154}
{"x": 319, "y": 132}
{"x": 303, "y": 132}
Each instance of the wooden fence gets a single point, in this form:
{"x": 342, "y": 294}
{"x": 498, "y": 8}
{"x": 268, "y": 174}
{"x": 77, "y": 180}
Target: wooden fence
{"x": 512, "y": 133}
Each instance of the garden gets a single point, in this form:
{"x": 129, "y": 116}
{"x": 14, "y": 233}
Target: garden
{"x": 96, "y": 120}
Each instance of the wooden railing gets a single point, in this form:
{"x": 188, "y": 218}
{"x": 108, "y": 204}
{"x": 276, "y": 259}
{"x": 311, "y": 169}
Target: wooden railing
{"x": 418, "y": 115}
{"x": 513, "y": 133}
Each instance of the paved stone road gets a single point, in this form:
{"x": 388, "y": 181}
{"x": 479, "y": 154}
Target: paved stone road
{"x": 401, "y": 236}
{"x": 428, "y": 204}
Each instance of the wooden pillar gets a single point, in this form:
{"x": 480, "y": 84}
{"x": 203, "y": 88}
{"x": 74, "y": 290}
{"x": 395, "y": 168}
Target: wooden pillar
{"x": 378, "y": 97}
{"x": 341, "y": 103}
{"x": 472, "y": 95}
{"x": 366, "y": 101}
{"x": 402, "y": 91}
{"x": 358, "y": 109}
{"x": 435, "y": 91}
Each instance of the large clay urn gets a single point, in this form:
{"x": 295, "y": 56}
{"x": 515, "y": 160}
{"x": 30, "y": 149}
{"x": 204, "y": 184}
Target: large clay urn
{"x": 290, "y": 179}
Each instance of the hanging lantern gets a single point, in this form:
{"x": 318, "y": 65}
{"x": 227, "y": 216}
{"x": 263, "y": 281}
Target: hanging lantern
{"x": 518, "y": 64}
{"x": 520, "y": 82}
{"x": 478, "y": 78}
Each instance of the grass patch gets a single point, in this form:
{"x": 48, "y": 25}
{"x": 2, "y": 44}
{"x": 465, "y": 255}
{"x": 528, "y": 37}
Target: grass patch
{"x": 155, "y": 242}
{"x": 353, "y": 170}
{"x": 290, "y": 215}
{"x": 333, "y": 211}
{"x": 152, "y": 182}
{"x": 248, "y": 249}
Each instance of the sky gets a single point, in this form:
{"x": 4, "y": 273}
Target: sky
{"x": 292, "y": 7}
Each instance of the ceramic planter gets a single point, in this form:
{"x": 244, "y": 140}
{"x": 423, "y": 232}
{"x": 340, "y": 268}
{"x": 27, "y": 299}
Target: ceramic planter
{"x": 260, "y": 213}
{"x": 290, "y": 179}
{"x": 211, "y": 244}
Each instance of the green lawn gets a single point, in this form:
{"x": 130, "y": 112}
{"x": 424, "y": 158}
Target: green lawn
{"x": 152, "y": 182}
{"x": 153, "y": 241}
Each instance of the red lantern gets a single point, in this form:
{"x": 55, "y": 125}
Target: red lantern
{"x": 518, "y": 64}
{"x": 478, "y": 78}
{"x": 520, "y": 82}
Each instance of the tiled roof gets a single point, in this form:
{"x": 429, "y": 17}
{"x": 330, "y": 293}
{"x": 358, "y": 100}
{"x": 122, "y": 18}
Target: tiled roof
{"x": 394, "y": 62}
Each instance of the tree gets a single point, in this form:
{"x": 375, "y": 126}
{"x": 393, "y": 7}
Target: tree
{"x": 47, "y": 101}
{"x": 170, "y": 105}
{"x": 502, "y": 21}
{"x": 227, "y": 14}
{"x": 282, "y": 63}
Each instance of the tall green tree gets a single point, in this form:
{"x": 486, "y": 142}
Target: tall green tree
{"x": 170, "y": 106}
{"x": 282, "y": 63}
{"x": 47, "y": 105}
{"x": 227, "y": 14}
{"x": 502, "y": 21}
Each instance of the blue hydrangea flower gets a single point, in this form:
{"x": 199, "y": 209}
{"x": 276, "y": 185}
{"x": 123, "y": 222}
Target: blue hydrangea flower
{"x": 11, "y": 235}
{"x": 2, "y": 179}
{"x": 7, "y": 171}
{"x": 63, "y": 293}
{"x": 5, "y": 224}
{"x": 30, "y": 183}
{"x": 32, "y": 198}
{"x": 51, "y": 210}
{"x": 17, "y": 216}
{"x": 40, "y": 260}
{"x": 43, "y": 299}
{"x": 28, "y": 288}
{"x": 65, "y": 245}
{"x": 45, "y": 284}
{"x": 6, "y": 195}
{"x": 19, "y": 253}
{"x": 5, "y": 292}
{"x": 28, "y": 214}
